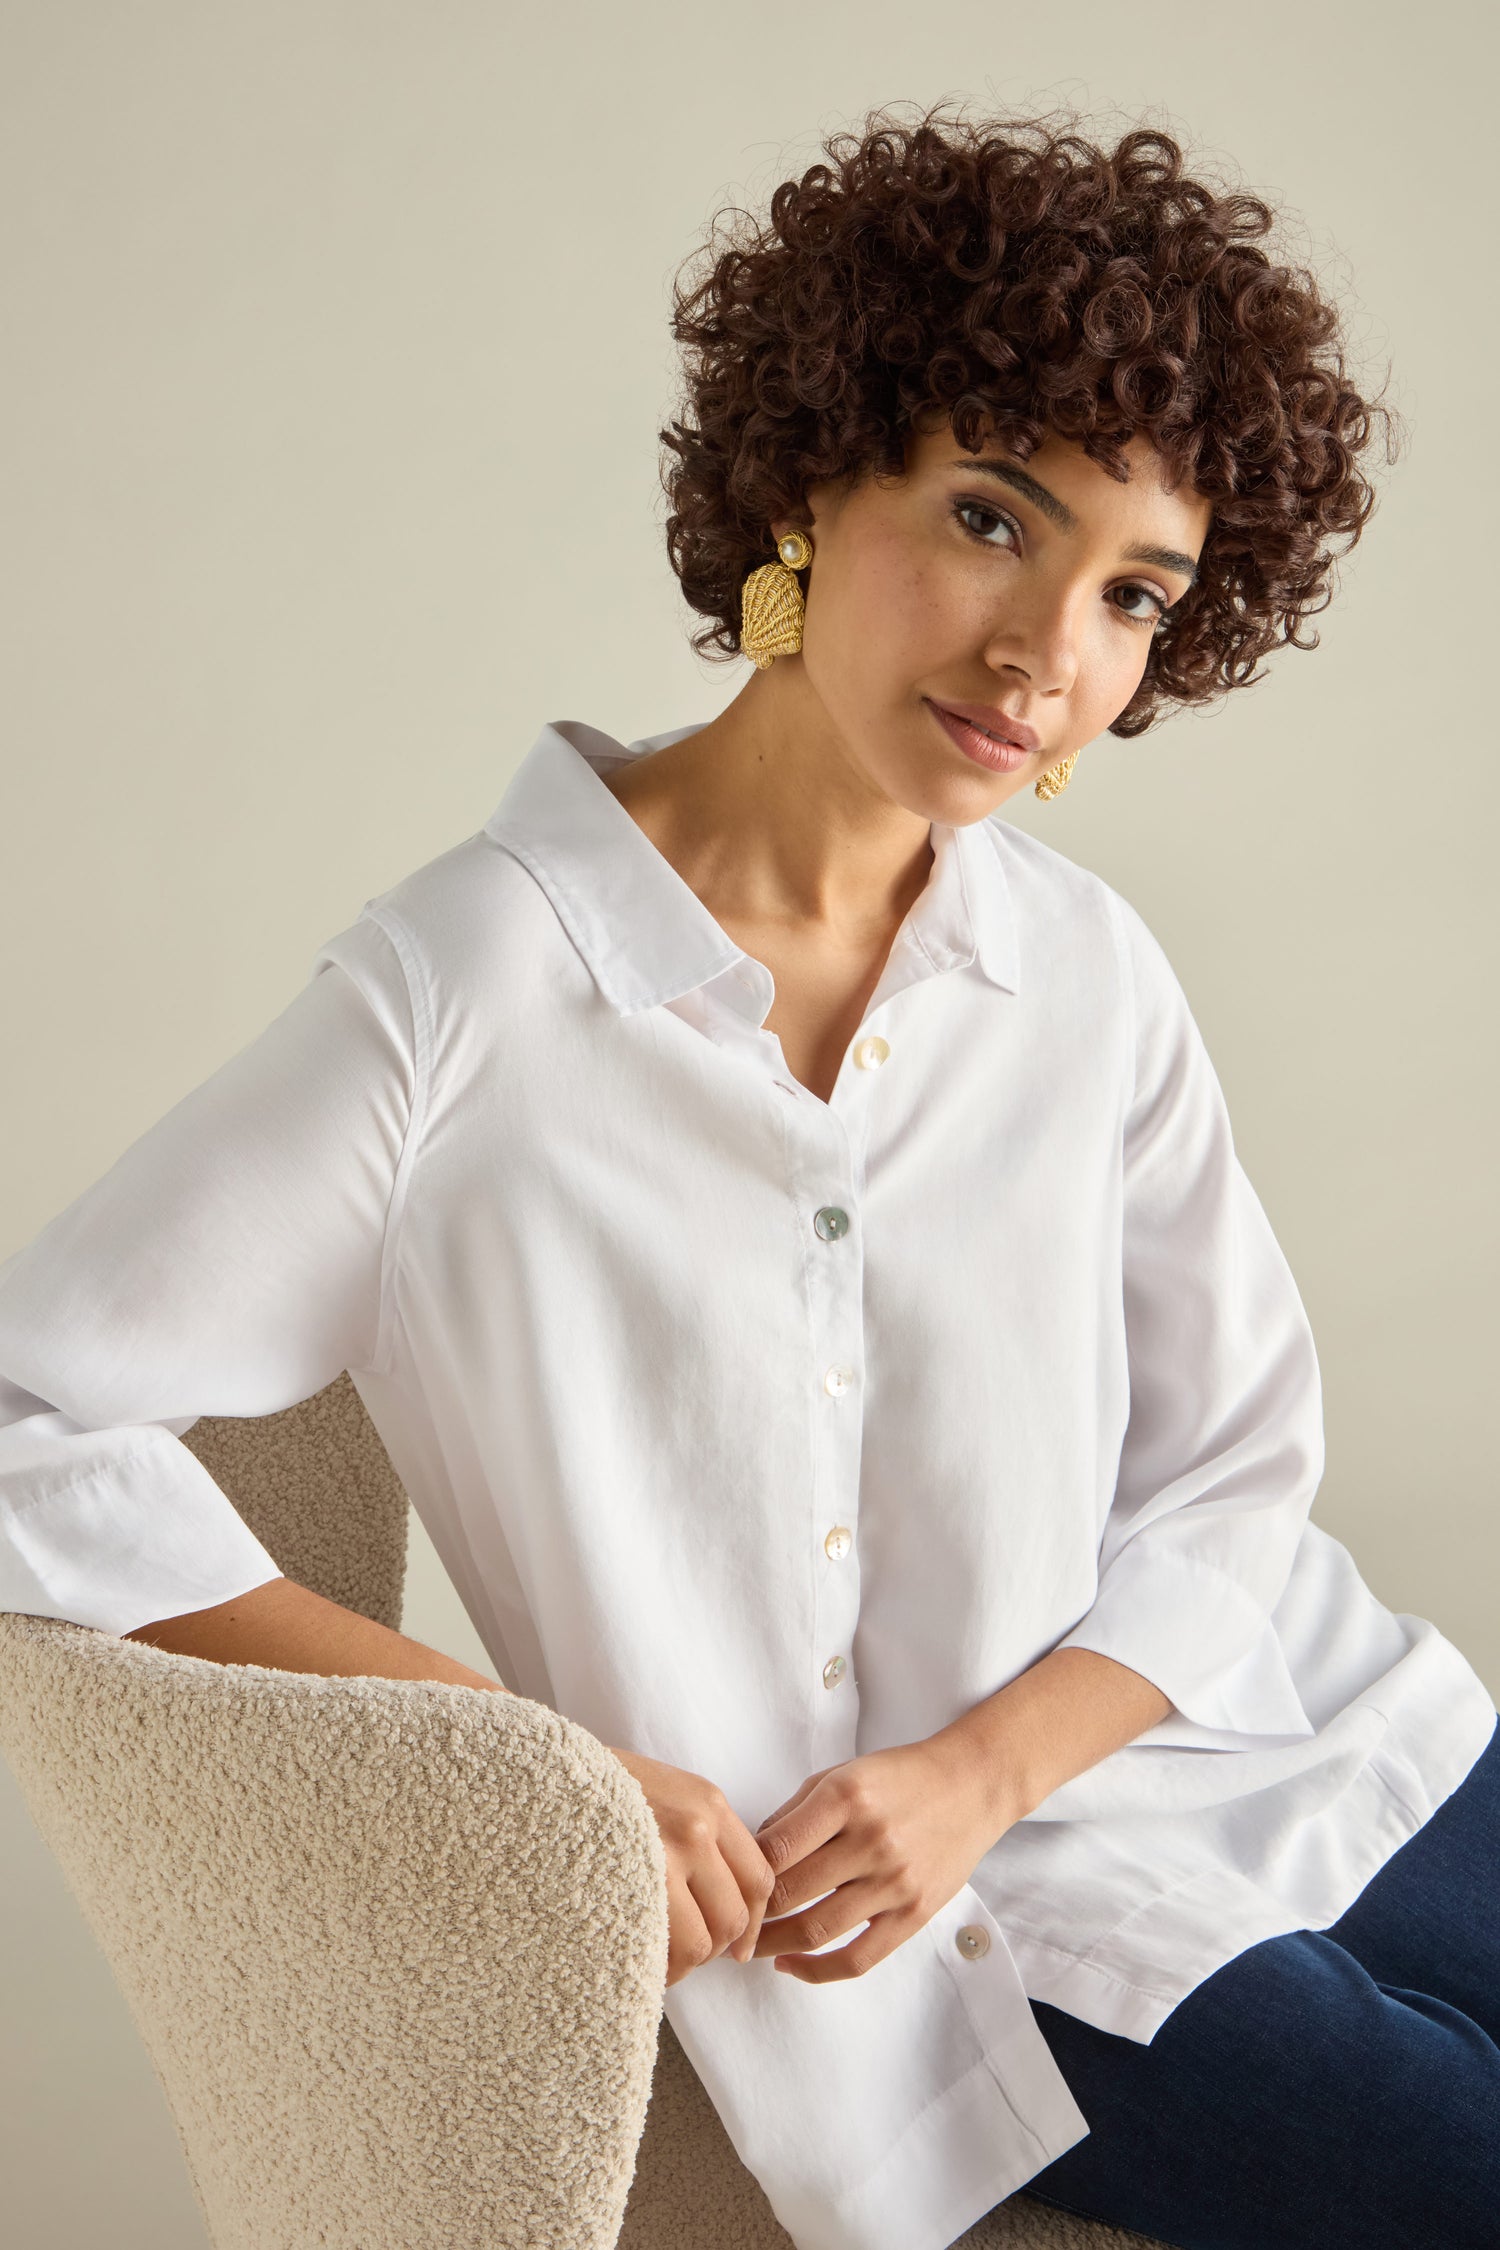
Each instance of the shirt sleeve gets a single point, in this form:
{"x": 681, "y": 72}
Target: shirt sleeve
{"x": 1223, "y": 1449}
{"x": 232, "y": 1261}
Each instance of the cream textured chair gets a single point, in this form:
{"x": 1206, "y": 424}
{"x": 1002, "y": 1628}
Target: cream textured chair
{"x": 397, "y": 1949}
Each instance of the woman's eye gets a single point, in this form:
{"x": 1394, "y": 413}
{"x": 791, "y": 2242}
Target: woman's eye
{"x": 963, "y": 509}
{"x": 1153, "y": 609}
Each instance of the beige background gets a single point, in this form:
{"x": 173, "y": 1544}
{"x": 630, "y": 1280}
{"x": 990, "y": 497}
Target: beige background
{"x": 335, "y": 351}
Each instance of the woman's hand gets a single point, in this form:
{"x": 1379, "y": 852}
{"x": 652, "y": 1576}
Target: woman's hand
{"x": 718, "y": 1879}
{"x": 892, "y": 1836}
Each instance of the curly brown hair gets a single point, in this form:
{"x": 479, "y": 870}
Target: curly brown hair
{"x": 1015, "y": 278}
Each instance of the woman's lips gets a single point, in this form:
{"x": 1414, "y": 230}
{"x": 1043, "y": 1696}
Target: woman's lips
{"x": 1000, "y": 757}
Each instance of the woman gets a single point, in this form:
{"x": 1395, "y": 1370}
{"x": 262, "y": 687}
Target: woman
{"x": 785, "y": 1226}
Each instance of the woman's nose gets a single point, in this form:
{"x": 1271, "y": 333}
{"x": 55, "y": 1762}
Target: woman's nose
{"x": 1039, "y": 640}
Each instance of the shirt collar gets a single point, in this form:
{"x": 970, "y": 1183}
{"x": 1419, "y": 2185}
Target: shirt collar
{"x": 645, "y": 935}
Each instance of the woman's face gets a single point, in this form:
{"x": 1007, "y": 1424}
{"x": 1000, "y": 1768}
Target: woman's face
{"x": 1021, "y": 596}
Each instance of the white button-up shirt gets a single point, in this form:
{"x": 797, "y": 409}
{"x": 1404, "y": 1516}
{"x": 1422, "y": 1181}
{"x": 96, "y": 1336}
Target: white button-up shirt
{"x": 758, "y": 1432}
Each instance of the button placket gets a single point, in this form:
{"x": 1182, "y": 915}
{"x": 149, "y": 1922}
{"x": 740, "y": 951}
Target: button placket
{"x": 842, "y": 1260}
{"x": 836, "y": 1268}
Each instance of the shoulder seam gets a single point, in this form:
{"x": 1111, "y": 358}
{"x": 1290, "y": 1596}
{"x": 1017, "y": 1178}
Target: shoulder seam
{"x": 419, "y": 1001}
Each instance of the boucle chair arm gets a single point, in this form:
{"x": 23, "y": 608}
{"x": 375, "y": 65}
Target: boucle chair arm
{"x": 397, "y": 1949}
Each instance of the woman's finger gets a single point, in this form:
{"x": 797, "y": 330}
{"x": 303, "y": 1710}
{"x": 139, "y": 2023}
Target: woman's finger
{"x": 843, "y": 1859}
{"x": 719, "y": 1900}
{"x": 688, "y": 1936}
{"x": 886, "y": 1931}
{"x": 755, "y": 1879}
{"x": 843, "y": 1908}
{"x": 792, "y": 1838}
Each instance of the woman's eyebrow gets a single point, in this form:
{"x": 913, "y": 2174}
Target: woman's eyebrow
{"x": 1058, "y": 512}
{"x": 1027, "y": 486}
{"x": 1165, "y": 558}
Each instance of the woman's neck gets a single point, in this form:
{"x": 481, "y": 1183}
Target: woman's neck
{"x": 773, "y": 825}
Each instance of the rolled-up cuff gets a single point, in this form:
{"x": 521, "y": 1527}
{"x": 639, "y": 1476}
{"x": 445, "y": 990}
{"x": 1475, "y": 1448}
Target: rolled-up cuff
{"x": 1201, "y": 1639}
{"x": 144, "y": 1535}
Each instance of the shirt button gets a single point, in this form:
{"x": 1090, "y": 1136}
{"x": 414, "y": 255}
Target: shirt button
{"x": 972, "y": 1940}
{"x": 871, "y": 1053}
{"x": 837, "y": 1381}
{"x": 831, "y": 1222}
{"x": 839, "y": 1541}
{"x": 833, "y": 1671}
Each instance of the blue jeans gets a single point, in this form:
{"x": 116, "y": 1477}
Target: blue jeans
{"x": 1331, "y": 2089}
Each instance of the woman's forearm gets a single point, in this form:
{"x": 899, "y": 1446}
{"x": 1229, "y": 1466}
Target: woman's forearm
{"x": 291, "y": 1629}
{"x": 1053, "y": 1721}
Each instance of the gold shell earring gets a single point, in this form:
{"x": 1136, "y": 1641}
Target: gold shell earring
{"x": 1055, "y": 780}
{"x": 771, "y": 605}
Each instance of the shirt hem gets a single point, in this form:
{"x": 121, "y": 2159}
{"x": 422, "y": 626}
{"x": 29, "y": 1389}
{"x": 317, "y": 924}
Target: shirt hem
{"x": 973, "y": 2117}
{"x": 1196, "y": 1927}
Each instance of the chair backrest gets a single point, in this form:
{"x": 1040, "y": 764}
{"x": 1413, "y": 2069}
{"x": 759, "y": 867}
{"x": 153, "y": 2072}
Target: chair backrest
{"x": 316, "y": 1486}
{"x": 396, "y": 1948}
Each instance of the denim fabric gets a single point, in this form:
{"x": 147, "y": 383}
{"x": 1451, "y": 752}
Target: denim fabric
{"x": 1323, "y": 2089}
